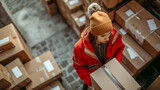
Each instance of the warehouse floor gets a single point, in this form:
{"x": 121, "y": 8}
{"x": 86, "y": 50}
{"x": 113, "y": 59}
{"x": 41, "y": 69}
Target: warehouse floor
{"x": 43, "y": 32}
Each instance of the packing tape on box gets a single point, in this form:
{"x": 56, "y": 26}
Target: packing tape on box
{"x": 46, "y": 74}
{"x": 132, "y": 53}
{"x": 53, "y": 74}
{"x": 41, "y": 79}
{"x": 158, "y": 46}
{"x": 113, "y": 79}
{"x": 38, "y": 60}
{"x": 65, "y": 0}
{"x": 47, "y": 67}
{"x": 133, "y": 29}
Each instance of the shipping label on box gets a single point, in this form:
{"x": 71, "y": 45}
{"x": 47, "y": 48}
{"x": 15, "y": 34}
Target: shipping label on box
{"x": 18, "y": 73}
{"x": 6, "y": 43}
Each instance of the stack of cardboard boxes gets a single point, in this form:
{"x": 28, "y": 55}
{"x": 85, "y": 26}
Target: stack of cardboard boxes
{"x": 18, "y": 69}
{"x": 72, "y": 12}
{"x": 12, "y": 46}
{"x": 50, "y": 6}
{"x": 140, "y": 34}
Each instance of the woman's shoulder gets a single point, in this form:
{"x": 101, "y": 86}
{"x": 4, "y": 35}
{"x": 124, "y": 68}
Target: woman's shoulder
{"x": 79, "y": 44}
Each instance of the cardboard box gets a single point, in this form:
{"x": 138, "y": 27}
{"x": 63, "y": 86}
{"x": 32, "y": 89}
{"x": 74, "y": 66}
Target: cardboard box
{"x": 155, "y": 85}
{"x": 51, "y": 8}
{"x": 85, "y": 4}
{"x": 143, "y": 32}
{"x": 5, "y": 80}
{"x": 140, "y": 1}
{"x": 126, "y": 12}
{"x": 127, "y": 69}
{"x": 102, "y": 78}
{"x": 79, "y": 20}
{"x": 6, "y": 43}
{"x": 111, "y": 3}
{"x": 134, "y": 56}
{"x": 152, "y": 44}
{"x": 72, "y": 5}
{"x": 42, "y": 70}
{"x": 54, "y": 85}
{"x": 20, "y": 51}
{"x": 158, "y": 31}
{"x": 18, "y": 73}
{"x": 140, "y": 24}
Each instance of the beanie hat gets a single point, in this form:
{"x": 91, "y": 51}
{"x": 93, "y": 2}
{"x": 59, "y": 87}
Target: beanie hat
{"x": 100, "y": 23}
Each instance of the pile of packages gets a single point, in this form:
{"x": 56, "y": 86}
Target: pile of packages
{"x": 18, "y": 69}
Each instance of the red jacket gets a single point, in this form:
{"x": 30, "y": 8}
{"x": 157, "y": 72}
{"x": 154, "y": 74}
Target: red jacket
{"x": 85, "y": 60}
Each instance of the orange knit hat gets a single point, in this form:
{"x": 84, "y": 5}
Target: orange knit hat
{"x": 100, "y": 23}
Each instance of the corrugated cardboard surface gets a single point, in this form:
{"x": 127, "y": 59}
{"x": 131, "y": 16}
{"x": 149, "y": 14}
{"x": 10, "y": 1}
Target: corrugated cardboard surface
{"x": 7, "y": 45}
{"x": 127, "y": 69}
{"x": 76, "y": 20}
{"x": 111, "y": 3}
{"x": 152, "y": 44}
{"x": 142, "y": 26}
{"x": 155, "y": 85}
{"x": 20, "y": 51}
{"x": 5, "y": 80}
{"x": 24, "y": 79}
{"x": 72, "y": 8}
{"x": 38, "y": 72}
{"x": 117, "y": 70}
{"x": 137, "y": 64}
{"x": 158, "y": 31}
{"x": 53, "y": 85}
{"x": 121, "y": 17}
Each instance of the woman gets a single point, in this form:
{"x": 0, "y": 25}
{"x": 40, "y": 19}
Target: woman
{"x": 98, "y": 44}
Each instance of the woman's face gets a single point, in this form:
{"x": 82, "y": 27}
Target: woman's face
{"x": 103, "y": 38}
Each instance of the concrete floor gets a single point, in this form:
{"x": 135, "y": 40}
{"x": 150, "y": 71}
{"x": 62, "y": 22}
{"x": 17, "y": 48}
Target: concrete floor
{"x": 43, "y": 32}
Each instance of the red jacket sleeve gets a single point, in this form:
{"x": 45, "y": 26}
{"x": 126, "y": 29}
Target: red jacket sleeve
{"x": 119, "y": 54}
{"x": 80, "y": 66}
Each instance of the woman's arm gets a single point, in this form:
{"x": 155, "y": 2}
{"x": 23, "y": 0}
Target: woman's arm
{"x": 80, "y": 66}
